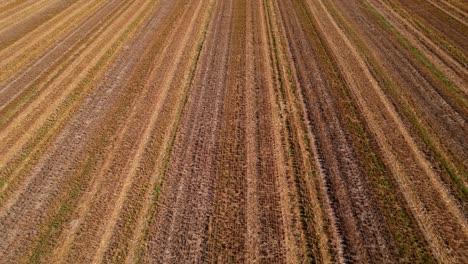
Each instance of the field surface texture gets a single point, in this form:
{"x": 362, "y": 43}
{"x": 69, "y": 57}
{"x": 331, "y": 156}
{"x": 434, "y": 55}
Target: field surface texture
{"x": 233, "y": 131}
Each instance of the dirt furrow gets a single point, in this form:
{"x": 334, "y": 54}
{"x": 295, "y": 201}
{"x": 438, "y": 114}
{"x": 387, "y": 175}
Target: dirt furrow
{"x": 48, "y": 181}
{"x": 24, "y": 41}
{"x": 453, "y": 30}
{"x": 435, "y": 111}
{"x": 412, "y": 180}
{"x": 227, "y": 228}
{"x": 43, "y": 198}
{"x": 264, "y": 239}
{"x": 233, "y": 131}
{"x": 302, "y": 205}
{"x": 450, "y": 11}
{"x": 78, "y": 68}
{"x": 15, "y": 31}
{"x": 23, "y": 52}
{"x": 283, "y": 189}
{"x": 109, "y": 125}
{"x": 168, "y": 82}
{"x": 62, "y": 53}
{"x": 10, "y": 174}
{"x": 152, "y": 168}
{"x": 18, "y": 15}
{"x": 400, "y": 229}
{"x": 277, "y": 160}
{"x": 429, "y": 32}
{"x": 86, "y": 225}
{"x": 21, "y": 12}
{"x": 8, "y": 6}
{"x": 85, "y": 202}
{"x": 361, "y": 222}
{"x": 458, "y": 6}
{"x": 58, "y": 100}
{"x": 252, "y": 207}
{"x": 436, "y": 55}
{"x": 180, "y": 229}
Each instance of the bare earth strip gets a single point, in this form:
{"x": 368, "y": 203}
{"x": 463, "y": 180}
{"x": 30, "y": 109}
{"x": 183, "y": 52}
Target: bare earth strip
{"x": 30, "y": 46}
{"x": 109, "y": 126}
{"x": 422, "y": 98}
{"x": 189, "y": 201}
{"x": 45, "y": 64}
{"x": 7, "y": 180}
{"x": 406, "y": 178}
{"x": 309, "y": 197}
{"x": 170, "y": 80}
{"x": 434, "y": 52}
{"x": 360, "y": 221}
{"x": 9, "y": 35}
{"x": 42, "y": 200}
{"x": 25, "y": 12}
{"x": 77, "y": 67}
{"x": 431, "y": 108}
{"x": 99, "y": 192}
{"x": 453, "y": 30}
{"x": 233, "y": 131}
{"x": 60, "y": 98}
{"x": 8, "y": 6}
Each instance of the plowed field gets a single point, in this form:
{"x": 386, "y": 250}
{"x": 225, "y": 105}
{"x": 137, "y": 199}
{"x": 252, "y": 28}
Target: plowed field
{"x": 233, "y": 131}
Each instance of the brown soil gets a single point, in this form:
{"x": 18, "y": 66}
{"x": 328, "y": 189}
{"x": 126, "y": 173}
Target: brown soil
{"x": 233, "y": 131}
